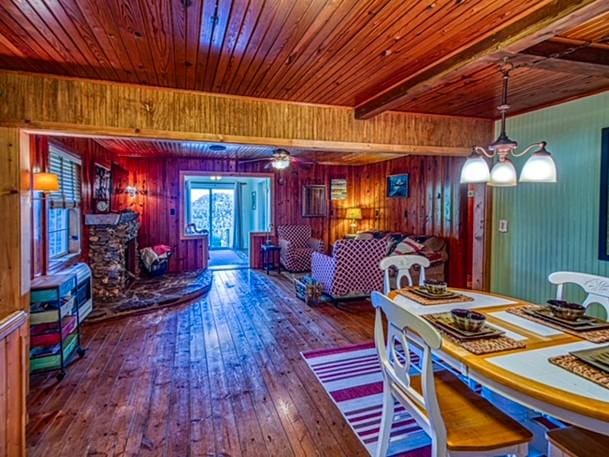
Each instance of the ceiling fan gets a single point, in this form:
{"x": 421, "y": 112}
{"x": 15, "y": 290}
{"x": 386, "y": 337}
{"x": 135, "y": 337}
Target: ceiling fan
{"x": 280, "y": 159}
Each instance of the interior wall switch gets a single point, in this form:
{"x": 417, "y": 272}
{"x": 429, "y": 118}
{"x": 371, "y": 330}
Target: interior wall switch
{"x": 503, "y": 225}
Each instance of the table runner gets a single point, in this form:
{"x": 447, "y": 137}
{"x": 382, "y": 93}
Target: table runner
{"x": 480, "y": 301}
{"x": 407, "y": 292}
{"x": 579, "y": 367}
{"x": 596, "y": 336}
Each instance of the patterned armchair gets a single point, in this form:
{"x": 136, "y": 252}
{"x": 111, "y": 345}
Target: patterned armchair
{"x": 297, "y": 245}
{"x": 352, "y": 270}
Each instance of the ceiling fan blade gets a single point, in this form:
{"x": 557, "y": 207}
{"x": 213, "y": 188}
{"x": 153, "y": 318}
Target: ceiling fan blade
{"x": 303, "y": 161}
{"x": 260, "y": 159}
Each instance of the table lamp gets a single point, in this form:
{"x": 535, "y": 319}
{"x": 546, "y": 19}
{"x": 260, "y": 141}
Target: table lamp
{"x": 355, "y": 214}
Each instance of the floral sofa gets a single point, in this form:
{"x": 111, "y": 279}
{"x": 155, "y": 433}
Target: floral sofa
{"x": 353, "y": 268}
{"x": 297, "y": 245}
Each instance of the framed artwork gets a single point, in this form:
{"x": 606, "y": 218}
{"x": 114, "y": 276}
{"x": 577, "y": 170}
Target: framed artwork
{"x": 338, "y": 189}
{"x": 253, "y": 200}
{"x": 397, "y": 186}
{"x": 603, "y": 230}
{"x": 101, "y": 189}
{"x": 314, "y": 200}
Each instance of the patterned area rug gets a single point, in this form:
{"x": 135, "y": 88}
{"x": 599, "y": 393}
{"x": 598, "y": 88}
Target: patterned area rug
{"x": 352, "y": 378}
{"x": 149, "y": 294}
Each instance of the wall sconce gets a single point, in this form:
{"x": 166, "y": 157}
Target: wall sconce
{"x": 132, "y": 191}
{"x": 45, "y": 183}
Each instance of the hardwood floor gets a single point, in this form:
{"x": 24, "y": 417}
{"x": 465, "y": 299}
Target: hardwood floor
{"x": 222, "y": 376}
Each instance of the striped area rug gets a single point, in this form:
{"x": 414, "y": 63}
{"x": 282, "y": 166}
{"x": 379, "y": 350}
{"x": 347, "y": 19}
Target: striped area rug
{"x": 353, "y": 379}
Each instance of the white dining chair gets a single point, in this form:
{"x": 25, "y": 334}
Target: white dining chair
{"x": 403, "y": 263}
{"x": 459, "y": 421}
{"x": 597, "y": 287}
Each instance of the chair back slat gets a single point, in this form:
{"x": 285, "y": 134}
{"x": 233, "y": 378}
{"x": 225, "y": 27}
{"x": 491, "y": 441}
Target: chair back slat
{"x": 597, "y": 287}
{"x": 403, "y": 263}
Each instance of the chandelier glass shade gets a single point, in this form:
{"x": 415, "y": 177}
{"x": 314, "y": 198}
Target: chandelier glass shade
{"x": 503, "y": 174}
{"x": 540, "y": 167}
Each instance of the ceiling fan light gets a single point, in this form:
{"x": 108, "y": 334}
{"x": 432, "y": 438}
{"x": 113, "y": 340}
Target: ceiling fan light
{"x": 503, "y": 174}
{"x": 475, "y": 170}
{"x": 280, "y": 164}
{"x": 540, "y": 167}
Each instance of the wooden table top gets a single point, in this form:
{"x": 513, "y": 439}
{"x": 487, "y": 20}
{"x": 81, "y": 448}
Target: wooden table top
{"x": 482, "y": 365}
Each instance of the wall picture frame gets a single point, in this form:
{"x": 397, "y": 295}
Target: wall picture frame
{"x": 314, "y": 200}
{"x": 603, "y": 229}
{"x": 338, "y": 189}
{"x": 102, "y": 184}
{"x": 398, "y": 185}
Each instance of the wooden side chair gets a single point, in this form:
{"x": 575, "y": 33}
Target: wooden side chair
{"x": 577, "y": 442}
{"x": 459, "y": 421}
{"x": 597, "y": 287}
{"x": 403, "y": 263}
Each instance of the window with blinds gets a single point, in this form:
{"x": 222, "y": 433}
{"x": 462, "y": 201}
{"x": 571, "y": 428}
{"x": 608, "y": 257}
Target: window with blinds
{"x": 68, "y": 168}
{"x": 63, "y": 217}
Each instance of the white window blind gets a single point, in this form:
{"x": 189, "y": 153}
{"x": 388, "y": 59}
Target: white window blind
{"x": 68, "y": 169}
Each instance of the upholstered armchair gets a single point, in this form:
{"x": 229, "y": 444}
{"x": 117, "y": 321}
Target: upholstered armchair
{"x": 297, "y": 245}
{"x": 353, "y": 268}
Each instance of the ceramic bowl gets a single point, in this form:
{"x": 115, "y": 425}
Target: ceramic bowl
{"x": 470, "y": 321}
{"x": 435, "y": 287}
{"x": 565, "y": 310}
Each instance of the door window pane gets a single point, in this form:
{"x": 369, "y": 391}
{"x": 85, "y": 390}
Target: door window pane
{"x": 199, "y": 209}
{"x": 222, "y": 217}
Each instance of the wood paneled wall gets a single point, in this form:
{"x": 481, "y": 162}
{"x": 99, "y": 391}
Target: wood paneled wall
{"x": 436, "y": 205}
{"x": 111, "y": 109}
{"x": 13, "y": 383}
{"x": 90, "y": 153}
{"x": 15, "y": 207}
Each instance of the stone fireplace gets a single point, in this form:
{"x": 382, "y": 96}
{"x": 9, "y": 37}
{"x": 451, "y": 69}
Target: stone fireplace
{"x": 113, "y": 252}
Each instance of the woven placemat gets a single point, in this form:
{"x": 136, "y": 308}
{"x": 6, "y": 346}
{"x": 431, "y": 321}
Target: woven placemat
{"x": 481, "y": 345}
{"x": 581, "y": 368}
{"x": 407, "y": 292}
{"x": 595, "y": 336}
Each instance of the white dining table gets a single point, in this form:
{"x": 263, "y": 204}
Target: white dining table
{"x": 525, "y": 375}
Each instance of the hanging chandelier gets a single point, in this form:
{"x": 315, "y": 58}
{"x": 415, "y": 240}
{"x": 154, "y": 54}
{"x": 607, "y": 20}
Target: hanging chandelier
{"x": 540, "y": 167}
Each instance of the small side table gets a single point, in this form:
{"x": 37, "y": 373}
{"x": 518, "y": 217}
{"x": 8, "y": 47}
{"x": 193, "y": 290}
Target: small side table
{"x": 270, "y": 257}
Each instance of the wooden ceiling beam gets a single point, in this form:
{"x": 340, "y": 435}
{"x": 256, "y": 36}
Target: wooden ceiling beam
{"x": 567, "y": 56}
{"x": 96, "y": 108}
{"x": 541, "y": 24}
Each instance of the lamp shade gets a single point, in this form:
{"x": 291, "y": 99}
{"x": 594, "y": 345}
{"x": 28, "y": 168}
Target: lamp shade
{"x": 503, "y": 174}
{"x": 354, "y": 213}
{"x": 540, "y": 167}
{"x": 475, "y": 170}
{"x": 46, "y": 182}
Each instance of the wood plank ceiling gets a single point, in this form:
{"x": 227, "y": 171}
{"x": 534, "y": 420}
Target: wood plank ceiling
{"x": 156, "y": 149}
{"x": 317, "y": 51}
{"x": 545, "y": 74}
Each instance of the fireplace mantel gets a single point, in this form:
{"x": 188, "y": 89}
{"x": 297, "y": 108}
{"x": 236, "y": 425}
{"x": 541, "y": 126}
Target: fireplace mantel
{"x": 110, "y": 218}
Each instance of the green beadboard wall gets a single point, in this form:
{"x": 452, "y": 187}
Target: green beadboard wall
{"x": 552, "y": 226}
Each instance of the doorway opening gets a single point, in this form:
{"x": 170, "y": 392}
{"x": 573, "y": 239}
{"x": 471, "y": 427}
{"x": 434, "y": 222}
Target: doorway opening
{"x": 228, "y": 208}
